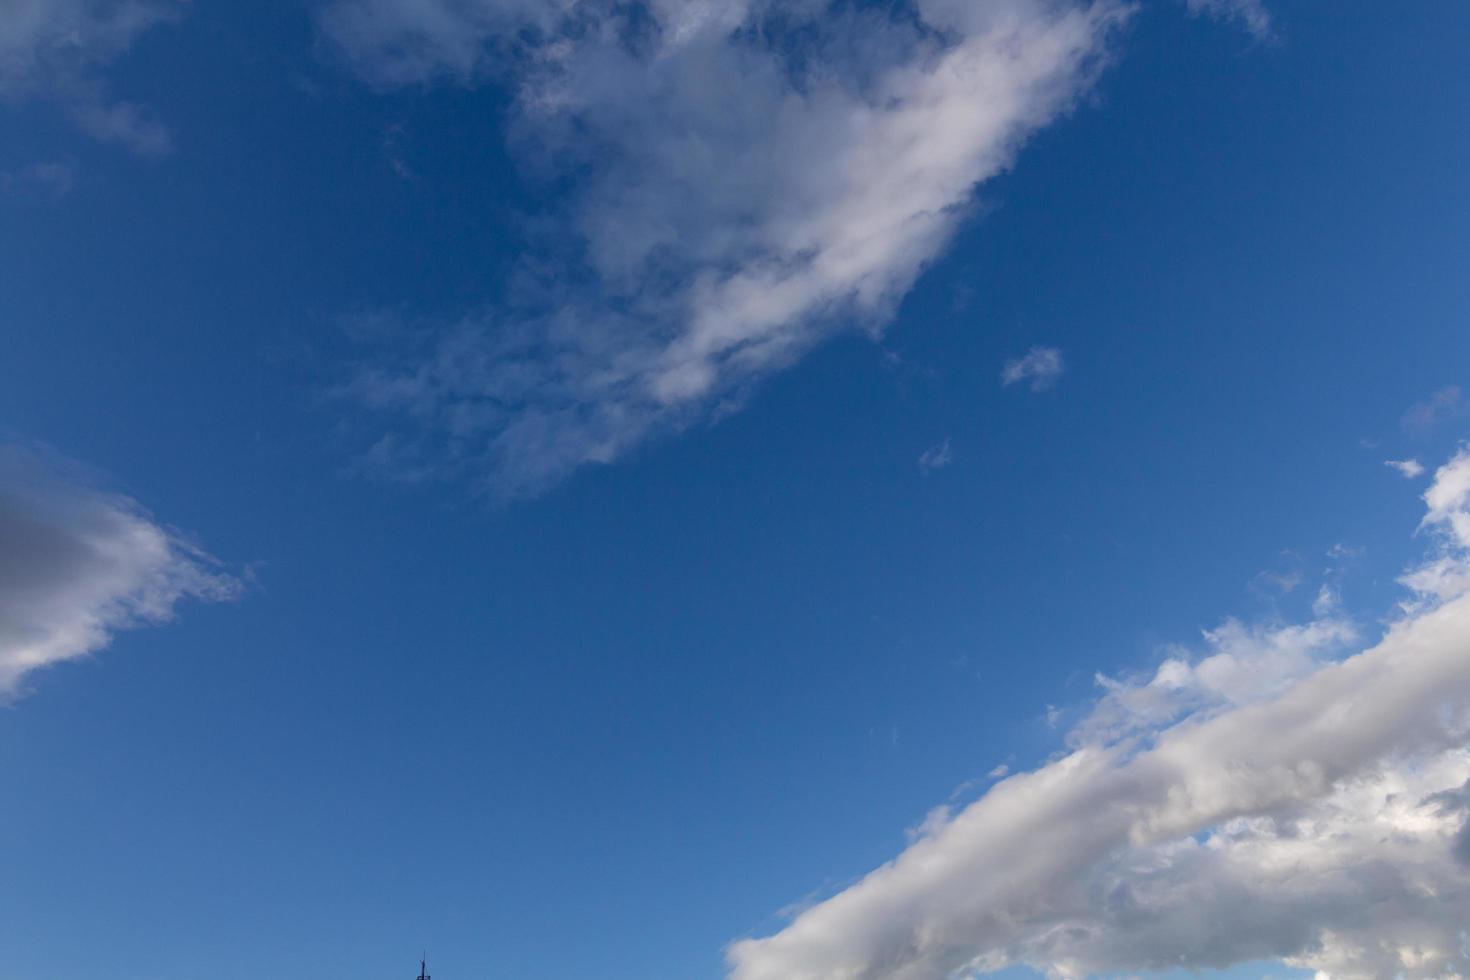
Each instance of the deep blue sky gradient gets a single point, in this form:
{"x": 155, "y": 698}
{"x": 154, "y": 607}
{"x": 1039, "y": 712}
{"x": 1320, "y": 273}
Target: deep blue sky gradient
{"x": 605, "y": 731}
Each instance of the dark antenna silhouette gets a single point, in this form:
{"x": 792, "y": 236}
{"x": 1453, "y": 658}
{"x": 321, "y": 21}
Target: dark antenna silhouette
{"x": 424, "y": 967}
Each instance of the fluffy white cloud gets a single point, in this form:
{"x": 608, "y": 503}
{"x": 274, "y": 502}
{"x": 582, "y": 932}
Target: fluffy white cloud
{"x": 1240, "y": 665}
{"x": 1445, "y": 573}
{"x": 1041, "y": 366}
{"x": 1448, "y": 499}
{"x": 1407, "y": 468}
{"x": 52, "y": 49}
{"x": 78, "y": 564}
{"x": 755, "y": 177}
{"x": 1272, "y": 799}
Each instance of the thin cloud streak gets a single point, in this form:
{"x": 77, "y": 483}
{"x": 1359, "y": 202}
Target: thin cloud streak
{"x": 1249, "y": 14}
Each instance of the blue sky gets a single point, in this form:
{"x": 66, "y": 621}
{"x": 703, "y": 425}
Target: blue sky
{"x": 572, "y": 488}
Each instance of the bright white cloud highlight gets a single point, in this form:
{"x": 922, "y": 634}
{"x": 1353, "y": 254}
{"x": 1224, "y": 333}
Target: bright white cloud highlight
{"x": 1407, "y": 468}
{"x": 1040, "y": 367}
{"x": 77, "y": 565}
{"x": 52, "y": 49}
{"x": 1270, "y": 799}
{"x": 758, "y": 177}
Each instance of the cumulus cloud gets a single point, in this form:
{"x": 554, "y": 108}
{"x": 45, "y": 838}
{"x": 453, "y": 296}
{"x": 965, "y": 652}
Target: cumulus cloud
{"x": 1041, "y": 367}
{"x": 78, "y": 564}
{"x": 935, "y": 458}
{"x": 1408, "y": 468}
{"x": 752, "y": 177}
{"x": 53, "y": 49}
{"x": 1285, "y": 794}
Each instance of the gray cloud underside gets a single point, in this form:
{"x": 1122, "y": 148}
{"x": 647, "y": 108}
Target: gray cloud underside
{"x": 1270, "y": 800}
{"x": 757, "y": 177}
{"x": 77, "y": 565}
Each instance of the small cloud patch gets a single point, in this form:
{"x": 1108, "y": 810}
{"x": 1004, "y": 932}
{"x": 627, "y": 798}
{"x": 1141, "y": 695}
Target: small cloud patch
{"x": 1040, "y": 368}
{"x": 935, "y": 458}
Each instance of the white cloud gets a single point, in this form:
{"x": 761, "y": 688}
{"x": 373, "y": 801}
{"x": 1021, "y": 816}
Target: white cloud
{"x": 52, "y": 49}
{"x": 1041, "y": 366}
{"x": 1242, "y": 664}
{"x": 1269, "y": 799}
{"x": 1445, "y": 574}
{"x": 1408, "y": 468}
{"x": 756, "y": 177}
{"x": 935, "y": 458}
{"x": 1448, "y": 499}
{"x": 78, "y": 565}
{"x": 1250, "y": 14}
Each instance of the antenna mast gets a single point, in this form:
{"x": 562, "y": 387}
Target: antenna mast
{"x": 424, "y": 969}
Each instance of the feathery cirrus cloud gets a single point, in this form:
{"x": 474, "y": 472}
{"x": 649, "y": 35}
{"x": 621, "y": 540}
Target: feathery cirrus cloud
{"x": 1290, "y": 794}
{"x": 78, "y": 565}
{"x": 752, "y": 178}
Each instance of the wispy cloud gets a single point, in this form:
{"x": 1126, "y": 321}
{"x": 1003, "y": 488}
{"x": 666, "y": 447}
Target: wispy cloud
{"x": 1445, "y": 404}
{"x": 1285, "y": 793}
{"x": 1040, "y": 367}
{"x": 1408, "y": 468}
{"x": 52, "y": 179}
{"x": 127, "y": 124}
{"x": 753, "y": 178}
{"x": 79, "y": 564}
{"x": 935, "y": 458}
{"x": 54, "y": 49}
{"x": 1282, "y": 579}
{"x": 1250, "y": 14}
